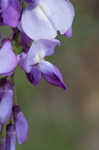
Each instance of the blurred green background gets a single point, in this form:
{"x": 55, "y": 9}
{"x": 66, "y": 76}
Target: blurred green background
{"x": 67, "y": 120}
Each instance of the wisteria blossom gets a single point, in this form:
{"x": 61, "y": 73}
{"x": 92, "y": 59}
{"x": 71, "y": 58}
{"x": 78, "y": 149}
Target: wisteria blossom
{"x": 34, "y": 25}
{"x": 34, "y": 64}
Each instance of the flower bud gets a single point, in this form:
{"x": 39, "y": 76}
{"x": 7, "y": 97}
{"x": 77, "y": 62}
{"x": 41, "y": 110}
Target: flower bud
{"x": 10, "y": 137}
{"x": 6, "y": 94}
{"x": 21, "y": 125}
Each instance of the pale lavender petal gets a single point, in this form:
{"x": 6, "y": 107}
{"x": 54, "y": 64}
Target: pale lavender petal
{"x": 47, "y": 18}
{"x": 22, "y": 62}
{"x": 39, "y": 50}
{"x": 60, "y": 12}
{"x": 5, "y": 106}
{"x": 4, "y": 4}
{"x": 36, "y": 25}
{"x": 52, "y": 74}
{"x": 21, "y": 125}
{"x": 47, "y": 46}
{"x": 6, "y": 94}
{"x": 8, "y": 59}
{"x": 69, "y": 33}
{"x": 10, "y": 12}
{"x": 34, "y": 76}
{"x": 10, "y": 137}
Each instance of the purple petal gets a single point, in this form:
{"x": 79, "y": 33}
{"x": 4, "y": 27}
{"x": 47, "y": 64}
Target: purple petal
{"x": 38, "y": 51}
{"x": 36, "y": 25}
{"x": 8, "y": 60}
{"x": 34, "y": 76}
{"x": 5, "y": 106}
{"x": 21, "y": 125}
{"x": 10, "y": 137}
{"x": 22, "y": 62}
{"x": 47, "y": 46}
{"x": 52, "y": 74}
{"x": 69, "y": 33}
{"x": 6, "y": 95}
{"x": 10, "y": 12}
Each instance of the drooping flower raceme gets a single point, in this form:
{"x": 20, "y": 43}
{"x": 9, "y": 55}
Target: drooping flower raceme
{"x": 35, "y": 25}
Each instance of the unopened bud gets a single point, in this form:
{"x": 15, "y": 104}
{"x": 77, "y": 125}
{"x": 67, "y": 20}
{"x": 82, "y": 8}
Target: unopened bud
{"x": 21, "y": 125}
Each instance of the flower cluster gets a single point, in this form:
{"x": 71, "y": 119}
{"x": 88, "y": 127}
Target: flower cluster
{"x": 35, "y": 25}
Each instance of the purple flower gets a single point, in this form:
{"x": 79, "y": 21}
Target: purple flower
{"x": 35, "y": 65}
{"x": 42, "y": 21}
{"x": 21, "y": 125}
{"x": 8, "y": 59}
{"x": 10, "y": 12}
{"x": 6, "y": 94}
{"x": 10, "y": 137}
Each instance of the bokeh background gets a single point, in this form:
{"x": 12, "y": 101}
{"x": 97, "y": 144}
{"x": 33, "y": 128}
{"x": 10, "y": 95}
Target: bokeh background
{"x": 67, "y": 120}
